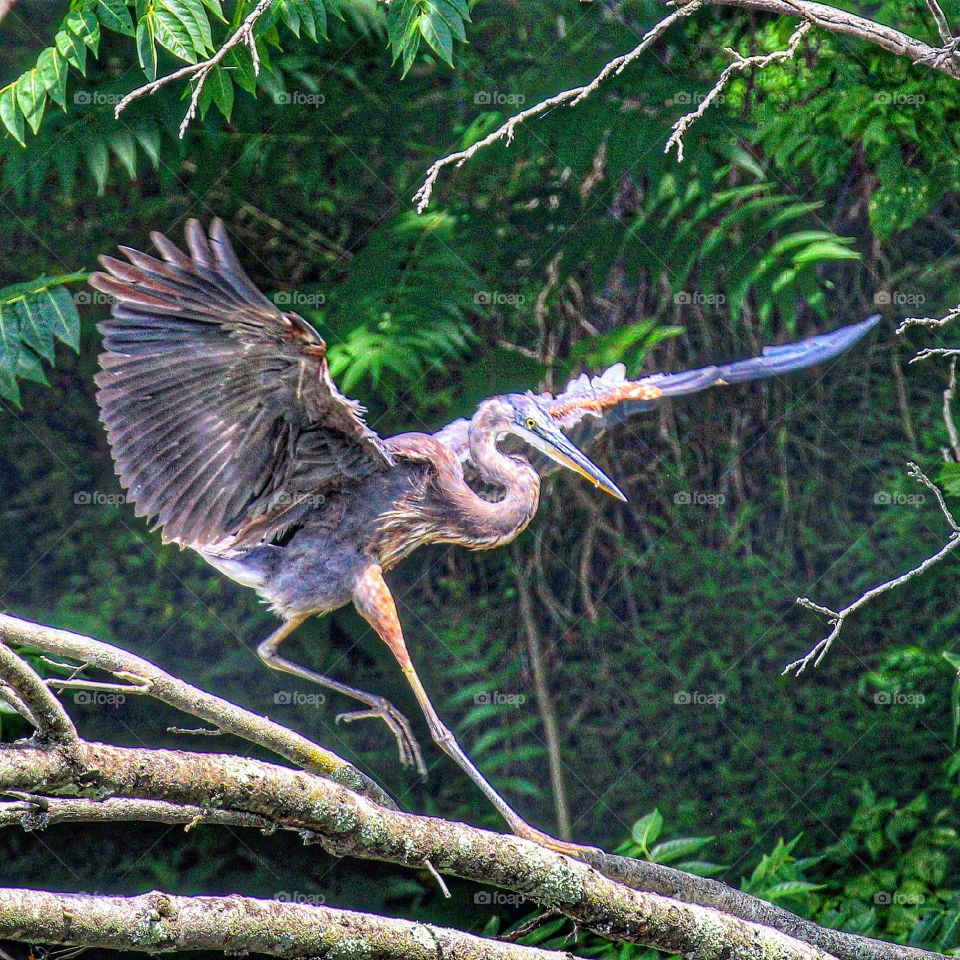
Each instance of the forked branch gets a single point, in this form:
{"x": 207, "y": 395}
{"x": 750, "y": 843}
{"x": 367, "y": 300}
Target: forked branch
{"x": 837, "y": 618}
{"x": 57, "y": 782}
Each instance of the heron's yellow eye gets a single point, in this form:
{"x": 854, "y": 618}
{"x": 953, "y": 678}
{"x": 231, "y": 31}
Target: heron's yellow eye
{"x": 531, "y": 423}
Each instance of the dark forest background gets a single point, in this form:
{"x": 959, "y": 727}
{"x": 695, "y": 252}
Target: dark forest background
{"x": 816, "y": 193}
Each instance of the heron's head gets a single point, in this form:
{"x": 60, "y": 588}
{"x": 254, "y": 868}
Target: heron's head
{"x": 529, "y": 420}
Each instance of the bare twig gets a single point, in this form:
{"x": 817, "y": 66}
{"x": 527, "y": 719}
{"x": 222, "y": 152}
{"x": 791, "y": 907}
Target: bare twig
{"x": 837, "y": 618}
{"x": 570, "y": 97}
{"x": 43, "y": 707}
{"x": 739, "y": 64}
{"x": 200, "y": 71}
{"x": 948, "y": 397}
{"x": 545, "y": 705}
{"x": 943, "y": 28}
{"x": 932, "y": 322}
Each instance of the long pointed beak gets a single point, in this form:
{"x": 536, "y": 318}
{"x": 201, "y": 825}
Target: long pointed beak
{"x": 565, "y": 453}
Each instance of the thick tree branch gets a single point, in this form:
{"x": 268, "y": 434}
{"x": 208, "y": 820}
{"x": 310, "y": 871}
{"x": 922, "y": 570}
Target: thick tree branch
{"x": 168, "y": 689}
{"x": 821, "y": 15}
{"x": 155, "y": 922}
{"x": 172, "y": 786}
{"x": 30, "y": 693}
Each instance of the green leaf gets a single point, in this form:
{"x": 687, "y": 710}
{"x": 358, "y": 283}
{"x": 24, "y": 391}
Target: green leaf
{"x": 791, "y": 888}
{"x": 72, "y": 49}
{"x": 125, "y": 150}
{"x": 452, "y": 18}
{"x": 52, "y": 69}
{"x": 147, "y": 45}
{"x": 219, "y": 90}
{"x": 113, "y": 14}
{"x": 32, "y": 316}
{"x": 671, "y": 850}
{"x": 434, "y": 29}
{"x": 11, "y": 116}
{"x": 646, "y": 830}
{"x": 84, "y": 24}
{"x": 32, "y": 98}
{"x": 319, "y": 10}
{"x": 173, "y": 33}
{"x": 949, "y": 479}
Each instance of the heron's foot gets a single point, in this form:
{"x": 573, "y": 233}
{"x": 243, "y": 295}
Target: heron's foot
{"x": 578, "y": 851}
{"x": 399, "y": 726}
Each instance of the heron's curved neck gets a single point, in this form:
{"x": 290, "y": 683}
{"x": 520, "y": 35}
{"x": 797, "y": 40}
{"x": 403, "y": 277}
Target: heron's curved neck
{"x": 501, "y": 520}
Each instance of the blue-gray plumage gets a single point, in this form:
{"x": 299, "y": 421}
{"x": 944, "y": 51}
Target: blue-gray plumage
{"x": 226, "y": 427}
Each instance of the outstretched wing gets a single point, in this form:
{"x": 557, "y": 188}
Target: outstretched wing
{"x": 591, "y": 405}
{"x": 221, "y": 414}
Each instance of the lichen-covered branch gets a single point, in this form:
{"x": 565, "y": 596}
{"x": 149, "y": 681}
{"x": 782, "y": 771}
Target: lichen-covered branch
{"x": 49, "y": 782}
{"x": 188, "y": 699}
{"x": 155, "y": 922}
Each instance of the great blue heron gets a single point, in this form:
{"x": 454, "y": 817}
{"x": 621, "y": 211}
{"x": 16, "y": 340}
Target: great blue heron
{"x": 226, "y": 427}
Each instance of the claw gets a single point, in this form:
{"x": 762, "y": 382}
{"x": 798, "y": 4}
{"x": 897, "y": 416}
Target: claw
{"x": 399, "y": 726}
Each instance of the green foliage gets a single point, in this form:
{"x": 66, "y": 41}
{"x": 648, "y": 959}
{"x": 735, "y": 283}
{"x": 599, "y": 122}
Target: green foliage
{"x": 32, "y": 317}
{"x": 438, "y": 22}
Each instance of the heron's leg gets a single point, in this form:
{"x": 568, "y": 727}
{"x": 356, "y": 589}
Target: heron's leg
{"x": 410, "y": 755}
{"x": 374, "y": 602}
